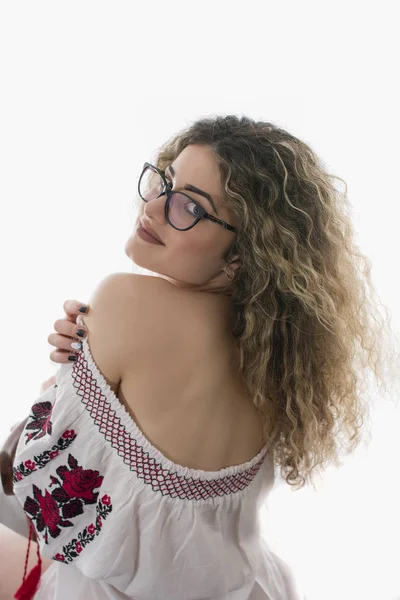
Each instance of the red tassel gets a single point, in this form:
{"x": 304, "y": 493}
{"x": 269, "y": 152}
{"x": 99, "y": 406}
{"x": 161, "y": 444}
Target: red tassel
{"x": 30, "y": 584}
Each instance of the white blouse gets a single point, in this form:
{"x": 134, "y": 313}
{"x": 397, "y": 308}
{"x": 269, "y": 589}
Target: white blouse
{"x": 120, "y": 520}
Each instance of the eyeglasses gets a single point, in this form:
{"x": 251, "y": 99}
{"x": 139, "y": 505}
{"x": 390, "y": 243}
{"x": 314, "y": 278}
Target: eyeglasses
{"x": 181, "y": 211}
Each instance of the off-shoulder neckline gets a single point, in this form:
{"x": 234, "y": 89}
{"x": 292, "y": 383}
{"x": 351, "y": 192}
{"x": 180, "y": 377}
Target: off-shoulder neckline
{"x": 133, "y": 429}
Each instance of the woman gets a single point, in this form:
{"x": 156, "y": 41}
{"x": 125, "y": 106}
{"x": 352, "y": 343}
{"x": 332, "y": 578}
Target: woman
{"x": 144, "y": 467}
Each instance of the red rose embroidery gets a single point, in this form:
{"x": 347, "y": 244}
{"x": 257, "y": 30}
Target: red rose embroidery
{"x": 30, "y": 465}
{"x": 53, "y": 454}
{"x": 44, "y": 510}
{"x": 50, "y": 512}
{"x": 74, "y": 488}
{"x": 69, "y": 433}
{"x": 80, "y": 483}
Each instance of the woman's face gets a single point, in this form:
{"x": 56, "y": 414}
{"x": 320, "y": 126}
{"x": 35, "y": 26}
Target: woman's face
{"x": 192, "y": 258}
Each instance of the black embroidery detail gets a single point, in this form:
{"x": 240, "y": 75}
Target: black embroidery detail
{"x": 71, "y": 550}
{"x": 39, "y": 421}
{"x": 41, "y": 460}
{"x": 52, "y": 510}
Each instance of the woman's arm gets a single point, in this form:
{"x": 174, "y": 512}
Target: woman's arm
{"x": 7, "y": 452}
{"x": 7, "y": 455}
{"x": 13, "y": 548}
{"x": 66, "y": 331}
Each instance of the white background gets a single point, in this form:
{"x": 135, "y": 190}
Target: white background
{"x": 90, "y": 90}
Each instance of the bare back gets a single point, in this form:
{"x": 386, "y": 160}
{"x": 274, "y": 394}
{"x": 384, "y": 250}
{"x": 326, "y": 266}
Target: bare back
{"x": 187, "y": 397}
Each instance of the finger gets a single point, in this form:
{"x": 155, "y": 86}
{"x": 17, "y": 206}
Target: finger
{"x": 61, "y": 342}
{"x": 60, "y": 356}
{"x": 71, "y": 309}
{"x": 65, "y": 327}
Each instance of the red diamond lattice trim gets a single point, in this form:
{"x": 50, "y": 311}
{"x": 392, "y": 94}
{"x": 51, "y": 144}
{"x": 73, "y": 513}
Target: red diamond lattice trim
{"x": 137, "y": 458}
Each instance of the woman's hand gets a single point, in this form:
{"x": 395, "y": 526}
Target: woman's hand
{"x": 67, "y": 334}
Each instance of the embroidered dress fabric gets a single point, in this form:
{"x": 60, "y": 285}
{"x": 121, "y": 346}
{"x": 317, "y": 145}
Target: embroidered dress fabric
{"x": 120, "y": 520}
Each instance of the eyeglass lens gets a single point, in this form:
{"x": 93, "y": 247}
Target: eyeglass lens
{"x": 182, "y": 212}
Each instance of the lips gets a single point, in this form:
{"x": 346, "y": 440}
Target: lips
{"x": 151, "y": 232}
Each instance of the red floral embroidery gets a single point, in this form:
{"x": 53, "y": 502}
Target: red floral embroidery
{"x": 41, "y": 460}
{"x": 54, "y": 510}
{"x": 91, "y": 529}
{"x": 39, "y": 421}
{"x": 71, "y": 550}
{"x": 68, "y": 434}
{"x": 45, "y": 512}
{"x": 80, "y": 483}
{"x": 59, "y": 557}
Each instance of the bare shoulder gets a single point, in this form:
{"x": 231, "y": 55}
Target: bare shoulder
{"x": 133, "y": 318}
{"x": 154, "y": 296}
{"x": 121, "y": 300}
{"x": 118, "y": 297}
{"x": 104, "y": 324}
{"x": 154, "y": 314}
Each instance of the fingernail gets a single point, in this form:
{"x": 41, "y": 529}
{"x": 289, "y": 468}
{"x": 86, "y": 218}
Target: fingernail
{"x": 71, "y": 357}
{"x": 83, "y": 309}
{"x": 76, "y": 345}
{"x": 80, "y": 332}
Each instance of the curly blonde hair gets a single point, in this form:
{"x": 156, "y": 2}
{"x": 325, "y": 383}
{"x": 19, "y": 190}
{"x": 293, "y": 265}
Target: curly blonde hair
{"x": 308, "y": 333}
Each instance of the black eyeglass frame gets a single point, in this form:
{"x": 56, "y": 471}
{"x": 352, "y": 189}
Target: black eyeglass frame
{"x": 169, "y": 191}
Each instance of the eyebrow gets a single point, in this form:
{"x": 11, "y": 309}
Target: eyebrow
{"x": 192, "y": 188}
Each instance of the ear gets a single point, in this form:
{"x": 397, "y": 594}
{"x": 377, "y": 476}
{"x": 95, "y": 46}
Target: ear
{"x": 235, "y": 264}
